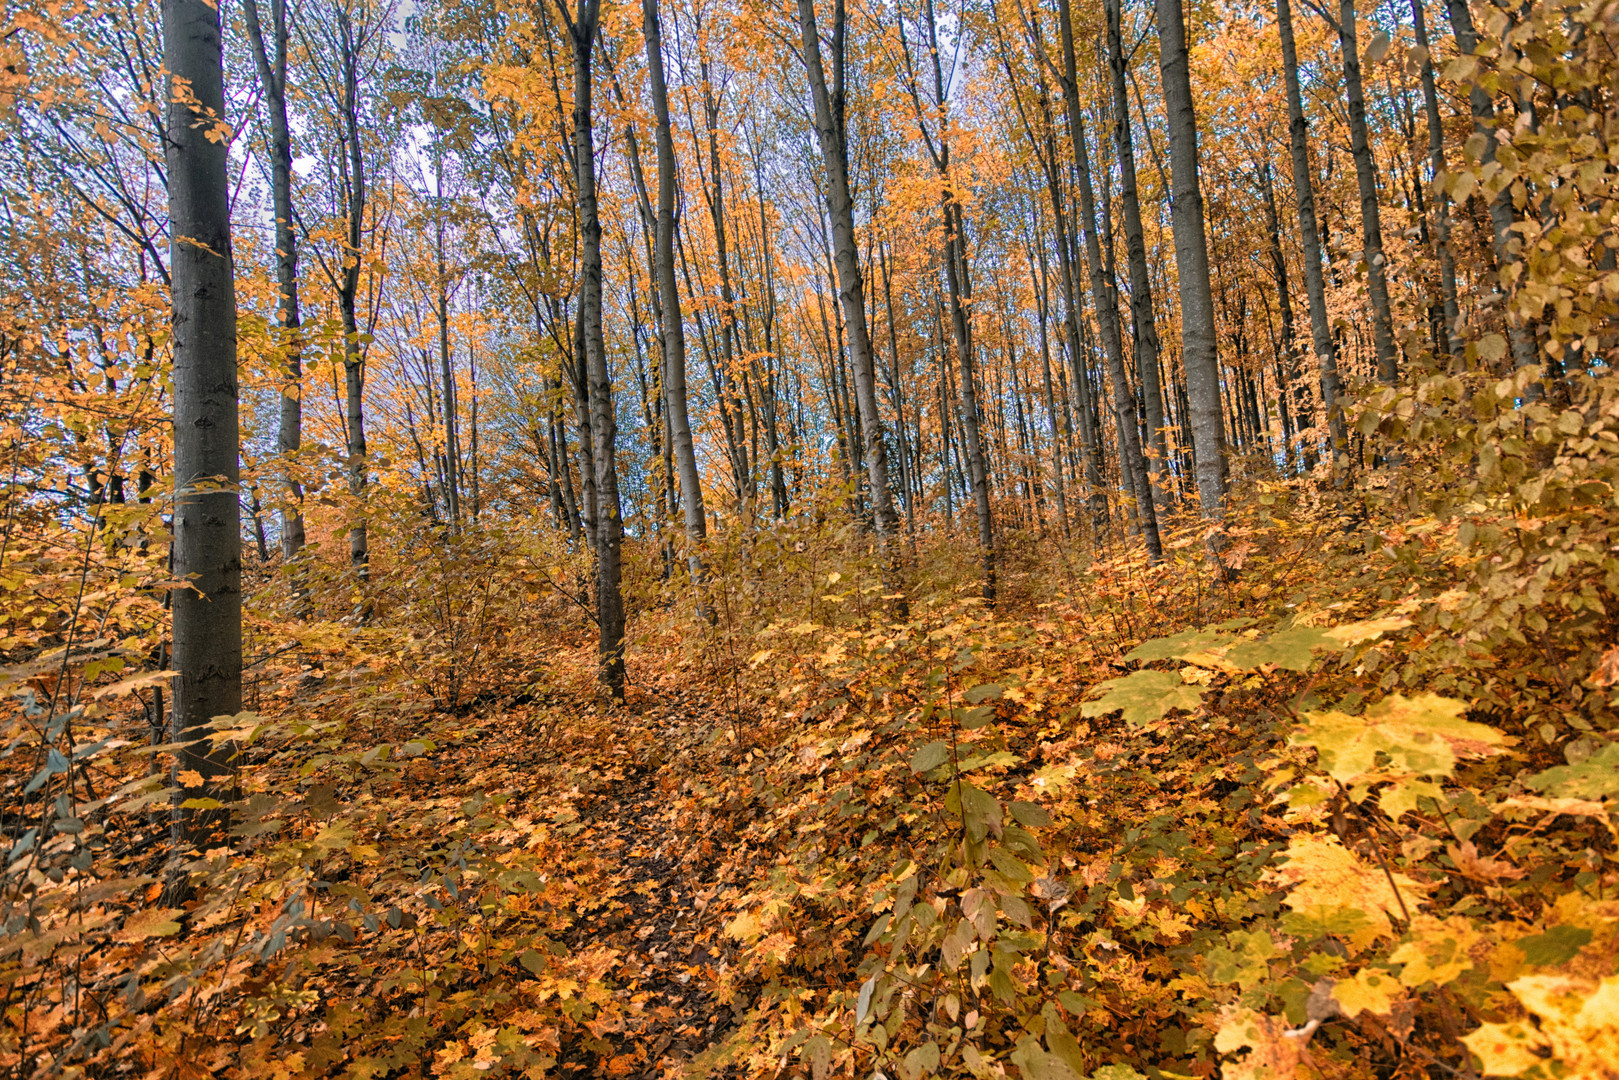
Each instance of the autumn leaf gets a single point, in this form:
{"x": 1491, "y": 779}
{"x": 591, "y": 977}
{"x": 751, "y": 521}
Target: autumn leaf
{"x": 1422, "y": 735}
{"x": 149, "y": 923}
{"x": 1144, "y": 696}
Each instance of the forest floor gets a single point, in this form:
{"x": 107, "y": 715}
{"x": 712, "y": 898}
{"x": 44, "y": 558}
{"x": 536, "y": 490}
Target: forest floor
{"x": 651, "y": 854}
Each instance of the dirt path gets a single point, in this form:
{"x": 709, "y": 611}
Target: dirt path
{"x": 658, "y": 913}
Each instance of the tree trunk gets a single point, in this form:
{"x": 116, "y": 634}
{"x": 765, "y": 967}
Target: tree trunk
{"x": 609, "y": 531}
{"x": 1371, "y": 218}
{"x": 1315, "y": 286}
{"x": 1132, "y": 464}
{"x": 832, "y": 135}
{"x": 1192, "y": 261}
{"x": 207, "y": 549}
{"x": 674, "y": 332}
{"x": 1146, "y": 327}
{"x": 271, "y": 60}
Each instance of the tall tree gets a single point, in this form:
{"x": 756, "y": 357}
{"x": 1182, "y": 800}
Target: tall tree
{"x": 270, "y": 57}
{"x": 674, "y": 330}
{"x": 1315, "y": 286}
{"x": 831, "y": 132}
{"x": 1371, "y": 217}
{"x": 584, "y": 25}
{"x": 207, "y": 509}
{"x": 1135, "y": 245}
{"x": 1192, "y": 261}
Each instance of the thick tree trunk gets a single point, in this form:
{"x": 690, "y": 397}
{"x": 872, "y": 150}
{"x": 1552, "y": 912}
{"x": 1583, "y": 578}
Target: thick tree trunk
{"x": 1192, "y": 261}
{"x": 1315, "y": 286}
{"x": 207, "y": 550}
{"x": 674, "y": 332}
{"x": 831, "y": 134}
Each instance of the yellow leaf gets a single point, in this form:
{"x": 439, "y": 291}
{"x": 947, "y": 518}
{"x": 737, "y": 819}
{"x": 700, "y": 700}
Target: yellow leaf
{"x": 1368, "y": 991}
{"x": 1329, "y": 882}
{"x": 190, "y": 778}
{"x": 153, "y": 922}
{"x": 1436, "y": 950}
{"x": 1504, "y": 1049}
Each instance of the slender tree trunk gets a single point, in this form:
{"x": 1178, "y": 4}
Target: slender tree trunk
{"x": 271, "y": 60}
{"x": 832, "y": 135}
{"x": 1326, "y": 350}
{"x": 1284, "y": 298}
{"x": 1501, "y": 213}
{"x": 674, "y": 332}
{"x": 1371, "y": 218}
{"x": 1192, "y": 261}
{"x": 1146, "y": 328}
{"x": 207, "y": 549}
{"x": 603, "y": 420}
{"x": 352, "y": 178}
{"x": 1132, "y": 463}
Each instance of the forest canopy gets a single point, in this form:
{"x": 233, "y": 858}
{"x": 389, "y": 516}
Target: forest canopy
{"x": 867, "y": 538}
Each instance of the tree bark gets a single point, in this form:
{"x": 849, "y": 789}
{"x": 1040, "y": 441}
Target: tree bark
{"x": 1132, "y": 463}
{"x": 1146, "y": 328}
{"x": 207, "y": 550}
{"x": 831, "y": 134}
{"x": 1315, "y": 286}
{"x": 1192, "y": 261}
{"x": 674, "y": 332}
{"x": 271, "y": 61}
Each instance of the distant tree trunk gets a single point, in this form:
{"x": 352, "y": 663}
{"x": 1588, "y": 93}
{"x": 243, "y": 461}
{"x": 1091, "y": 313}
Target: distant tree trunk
{"x": 1371, "y": 218}
{"x": 1326, "y": 350}
{"x": 1284, "y": 298}
{"x": 1441, "y": 208}
{"x": 609, "y": 531}
{"x": 441, "y": 309}
{"x": 271, "y": 60}
{"x": 832, "y": 135}
{"x": 352, "y": 180}
{"x": 674, "y": 332}
{"x": 1192, "y": 261}
{"x": 1501, "y": 212}
{"x": 1146, "y": 328}
{"x": 207, "y": 551}
{"x": 1132, "y": 463}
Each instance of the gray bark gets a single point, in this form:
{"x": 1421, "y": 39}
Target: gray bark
{"x": 271, "y": 60}
{"x": 831, "y": 134}
{"x": 1147, "y": 348}
{"x": 1192, "y": 262}
{"x": 207, "y": 550}
{"x": 674, "y": 332}
{"x": 1315, "y": 286}
{"x": 1132, "y": 463}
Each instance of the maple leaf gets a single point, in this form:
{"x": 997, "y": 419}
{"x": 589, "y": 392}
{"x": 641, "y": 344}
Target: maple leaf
{"x": 1597, "y": 777}
{"x": 1421, "y": 735}
{"x": 1369, "y": 991}
{"x": 1337, "y": 891}
{"x": 1607, "y": 669}
{"x": 149, "y": 923}
{"x": 1144, "y": 696}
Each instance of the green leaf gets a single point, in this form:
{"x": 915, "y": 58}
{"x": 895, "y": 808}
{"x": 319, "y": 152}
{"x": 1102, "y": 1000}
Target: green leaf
{"x": 1596, "y": 777}
{"x": 1558, "y": 945}
{"x": 988, "y": 692}
{"x": 1421, "y": 735}
{"x": 532, "y": 962}
{"x": 1187, "y": 643}
{"x": 1292, "y": 650}
{"x": 930, "y": 757}
{"x": 1030, "y": 814}
{"x": 979, "y": 812}
{"x": 1144, "y": 696}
